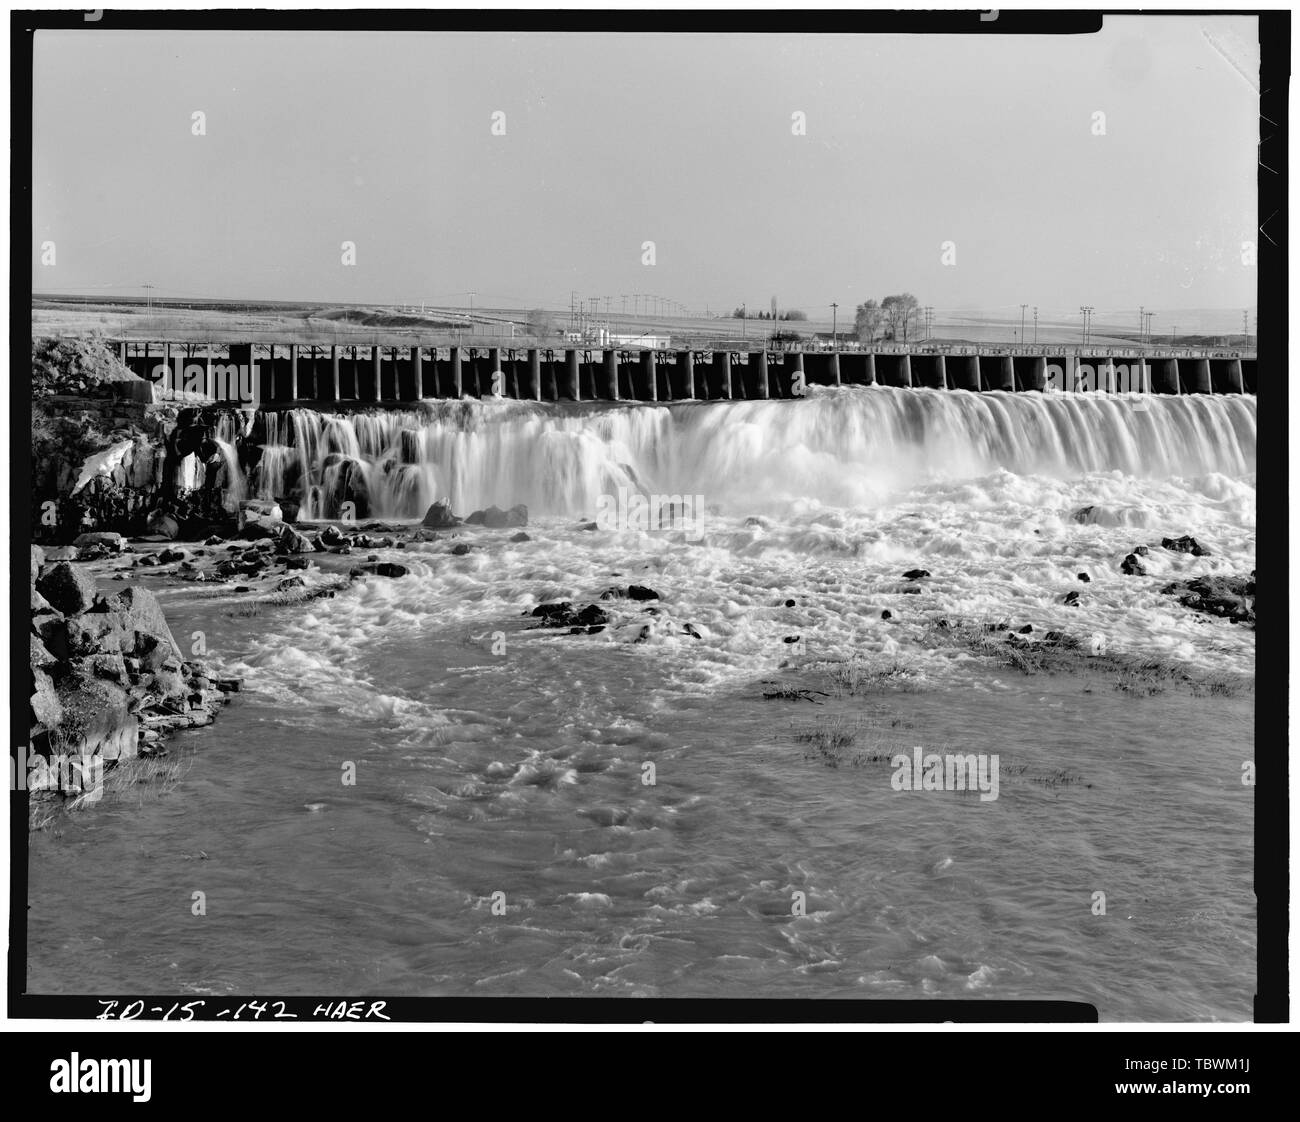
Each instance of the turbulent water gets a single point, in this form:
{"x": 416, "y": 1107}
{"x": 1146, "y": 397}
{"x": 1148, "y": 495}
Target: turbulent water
{"x": 843, "y": 448}
{"x": 496, "y": 758}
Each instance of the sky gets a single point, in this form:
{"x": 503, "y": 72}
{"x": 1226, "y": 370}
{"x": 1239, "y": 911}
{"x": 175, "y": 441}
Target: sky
{"x": 387, "y": 141}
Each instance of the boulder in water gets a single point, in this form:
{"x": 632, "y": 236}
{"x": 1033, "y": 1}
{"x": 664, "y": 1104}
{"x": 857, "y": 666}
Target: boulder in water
{"x": 290, "y": 541}
{"x": 1229, "y": 597}
{"x": 262, "y": 509}
{"x": 641, "y": 592}
{"x": 496, "y": 519}
{"x": 561, "y": 614}
{"x": 1072, "y": 599}
{"x": 476, "y": 518}
{"x": 1185, "y": 544}
{"x": 520, "y": 537}
{"x": 461, "y": 549}
{"x": 439, "y": 517}
{"x": 555, "y": 608}
{"x": 332, "y": 536}
{"x": 916, "y": 574}
{"x": 1084, "y": 578}
{"x": 1132, "y": 566}
{"x": 104, "y": 540}
{"x": 163, "y": 526}
{"x": 386, "y": 569}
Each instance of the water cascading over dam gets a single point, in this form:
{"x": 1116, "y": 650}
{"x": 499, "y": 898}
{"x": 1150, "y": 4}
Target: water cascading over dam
{"x": 842, "y": 447}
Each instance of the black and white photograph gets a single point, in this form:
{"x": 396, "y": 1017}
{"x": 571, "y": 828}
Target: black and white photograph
{"x": 645, "y": 509}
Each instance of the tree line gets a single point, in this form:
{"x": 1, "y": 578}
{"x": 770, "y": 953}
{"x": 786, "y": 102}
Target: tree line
{"x": 792, "y": 314}
{"x": 894, "y": 318}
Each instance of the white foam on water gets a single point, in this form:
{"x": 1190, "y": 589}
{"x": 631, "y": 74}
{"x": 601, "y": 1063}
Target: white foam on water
{"x": 825, "y": 501}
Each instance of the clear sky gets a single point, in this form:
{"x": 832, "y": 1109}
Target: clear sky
{"x": 386, "y": 140}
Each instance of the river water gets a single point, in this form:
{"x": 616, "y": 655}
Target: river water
{"x": 505, "y": 835}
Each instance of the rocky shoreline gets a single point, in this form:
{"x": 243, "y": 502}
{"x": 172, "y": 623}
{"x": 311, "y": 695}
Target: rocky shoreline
{"x": 109, "y": 682}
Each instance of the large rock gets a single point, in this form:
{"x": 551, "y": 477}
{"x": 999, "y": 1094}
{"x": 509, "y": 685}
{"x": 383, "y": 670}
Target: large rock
{"x": 1132, "y": 566}
{"x": 162, "y": 526}
{"x": 142, "y": 615}
{"x": 332, "y": 537}
{"x": 387, "y": 569}
{"x": 260, "y": 509}
{"x": 114, "y": 543}
{"x": 86, "y": 635}
{"x": 439, "y": 517}
{"x": 1230, "y": 597}
{"x": 69, "y": 590}
{"x": 1186, "y": 544}
{"x": 96, "y": 717}
{"x": 561, "y": 614}
{"x": 494, "y": 518}
{"x": 290, "y": 540}
{"x": 47, "y": 710}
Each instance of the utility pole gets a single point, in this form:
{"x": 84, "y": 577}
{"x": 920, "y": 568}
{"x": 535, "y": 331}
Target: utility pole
{"x": 1022, "y": 322}
{"x": 1141, "y": 320}
{"x": 624, "y": 298}
{"x": 1245, "y": 330}
{"x": 1035, "y": 325}
{"x": 744, "y": 320}
{"x": 1087, "y": 311}
{"x": 835, "y": 311}
{"x": 1149, "y": 316}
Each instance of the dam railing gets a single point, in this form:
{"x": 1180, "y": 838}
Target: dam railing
{"x": 360, "y": 375}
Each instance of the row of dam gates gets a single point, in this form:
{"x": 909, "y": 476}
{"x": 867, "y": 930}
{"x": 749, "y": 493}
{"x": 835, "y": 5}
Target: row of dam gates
{"x": 350, "y": 377}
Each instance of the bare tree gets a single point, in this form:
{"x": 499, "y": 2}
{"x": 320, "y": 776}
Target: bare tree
{"x": 899, "y": 312}
{"x": 866, "y": 321}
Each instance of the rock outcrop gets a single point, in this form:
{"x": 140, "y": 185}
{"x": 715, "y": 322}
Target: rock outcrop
{"x": 107, "y": 677}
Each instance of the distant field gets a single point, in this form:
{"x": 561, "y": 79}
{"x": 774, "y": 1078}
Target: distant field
{"x": 231, "y": 321}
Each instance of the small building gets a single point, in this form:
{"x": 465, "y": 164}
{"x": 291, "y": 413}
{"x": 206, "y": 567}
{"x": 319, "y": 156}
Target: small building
{"x": 645, "y": 341}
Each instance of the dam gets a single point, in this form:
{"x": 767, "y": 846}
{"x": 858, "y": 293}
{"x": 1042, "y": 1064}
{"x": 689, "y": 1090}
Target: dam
{"x": 359, "y": 376}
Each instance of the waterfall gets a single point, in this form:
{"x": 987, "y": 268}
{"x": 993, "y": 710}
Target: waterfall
{"x": 844, "y": 447}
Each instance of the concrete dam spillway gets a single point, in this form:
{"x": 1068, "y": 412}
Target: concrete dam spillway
{"x": 275, "y": 376}
{"x": 837, "y": 447}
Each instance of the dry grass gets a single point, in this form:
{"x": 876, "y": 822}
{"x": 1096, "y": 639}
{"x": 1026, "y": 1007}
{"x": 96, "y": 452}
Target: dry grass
{"x": 1135, "y": 675}
{"x": 857, "y": 676}
{"x": 145, "y": 777}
